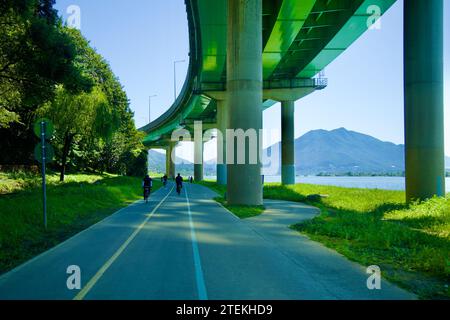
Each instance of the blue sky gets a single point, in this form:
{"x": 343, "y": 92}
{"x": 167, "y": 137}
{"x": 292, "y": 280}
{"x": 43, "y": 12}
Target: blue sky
{"x": 142, "y": 38}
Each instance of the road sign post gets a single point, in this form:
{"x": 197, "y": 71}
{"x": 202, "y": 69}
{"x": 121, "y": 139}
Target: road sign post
{"x": 44, "y": 187}
{"x": 43, "y": 153}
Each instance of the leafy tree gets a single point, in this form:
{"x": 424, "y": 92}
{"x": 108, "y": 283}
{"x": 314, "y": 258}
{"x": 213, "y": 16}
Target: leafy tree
{"x": 121, "y": 144}
{"x": 50, "y": 70}
{"x": 97, "y": 127}
{"x": 84, "y": 114}
{"x": 35, "y": 55}
{"x": 121, "y": 152}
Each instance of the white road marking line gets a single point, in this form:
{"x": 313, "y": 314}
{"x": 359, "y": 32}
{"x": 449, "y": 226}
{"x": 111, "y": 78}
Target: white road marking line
{"x": 201, "y": 288}
{"x": 102, "y": 270}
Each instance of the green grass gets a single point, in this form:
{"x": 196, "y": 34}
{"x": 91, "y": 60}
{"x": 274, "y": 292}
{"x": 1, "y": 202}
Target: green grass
{"x": 214, "y": 186}
{"x": 240, "y": 211}
{"x": 156, "y": 175}
{"x": 77, "y": 203}
{"x": 411, "y": 244}
{"x": 12, "y": 182}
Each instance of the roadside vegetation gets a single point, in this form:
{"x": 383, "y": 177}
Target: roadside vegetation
{"x": 73, "y": 205}
{"x": 49, "y": 70}
{"x": 240, "y": 211}
{"x": 411, "y": 243}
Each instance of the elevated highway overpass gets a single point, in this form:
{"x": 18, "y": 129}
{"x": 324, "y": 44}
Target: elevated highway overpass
{"x": 245, "y": 56}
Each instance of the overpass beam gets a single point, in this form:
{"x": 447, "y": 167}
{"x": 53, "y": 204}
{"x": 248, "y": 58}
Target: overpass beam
{"x": 287, "y": 143}
{"x": 244, "y": 103}
{"x": 198, "y": 158}
{"x": 170, "y": 163}
{"x": 222, "y": 125}
{"x": 424, "y": 112}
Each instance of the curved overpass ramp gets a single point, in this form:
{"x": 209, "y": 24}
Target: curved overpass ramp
{"x": 280, "y": 47}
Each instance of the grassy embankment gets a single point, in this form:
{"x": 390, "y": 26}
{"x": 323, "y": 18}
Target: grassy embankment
{"x": 240, "y": 211}
{"x": 411, "y": 244}
{"x": 77, "y": 203}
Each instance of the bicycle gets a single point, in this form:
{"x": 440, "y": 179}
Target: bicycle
{"x": 146, "y": 194}
{"x": 179, "y": 189}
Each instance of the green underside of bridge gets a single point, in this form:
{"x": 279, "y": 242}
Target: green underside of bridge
{"x": 300, "y": 38}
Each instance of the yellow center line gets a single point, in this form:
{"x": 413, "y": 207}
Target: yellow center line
{"x": 102, "y": 270}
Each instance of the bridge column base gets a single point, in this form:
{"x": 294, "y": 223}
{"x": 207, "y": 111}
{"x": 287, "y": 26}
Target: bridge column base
{"x": 170, "y": 164}
{"x": 287, "y": 143}
{"x": 198, "y": 159}
{"x": 287, "y": 174}
{"x": 222, "y": 125}
{"x": 221, "y": 174}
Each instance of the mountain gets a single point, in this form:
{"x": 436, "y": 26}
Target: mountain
{"x": 157, "y": 163}
{"x": 338, "y": 151}
{"x": 341, "y": 151}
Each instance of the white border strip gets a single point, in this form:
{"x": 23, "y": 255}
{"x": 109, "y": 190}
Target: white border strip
{"x": 201, "y": 288}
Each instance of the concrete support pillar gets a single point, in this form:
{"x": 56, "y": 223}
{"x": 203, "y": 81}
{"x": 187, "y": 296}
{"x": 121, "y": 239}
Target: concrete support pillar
{"x": 424, "y": 116}
{"x": 222, "y": 125}
{"x": 287, "y": 143}
{"x": 170, "y": 164}
{"x": 148, "y": 159}
{"x": 198, "y": 159}
{"x": 244, "y": 100}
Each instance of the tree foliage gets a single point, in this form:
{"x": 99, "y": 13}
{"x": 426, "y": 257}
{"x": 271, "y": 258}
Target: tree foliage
{"x": 35, "y": 56}
{"x": 47, "y": 69}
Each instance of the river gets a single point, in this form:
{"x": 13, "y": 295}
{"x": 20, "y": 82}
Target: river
{"x": 386, "y": 183}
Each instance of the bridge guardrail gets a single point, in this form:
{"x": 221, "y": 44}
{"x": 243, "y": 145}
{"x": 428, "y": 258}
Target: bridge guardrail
{"x": 318, "y": 83}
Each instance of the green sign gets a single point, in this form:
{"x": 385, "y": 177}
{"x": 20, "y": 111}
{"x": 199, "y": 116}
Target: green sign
{"x": 49, "y": 153}
{"x": 48, "y": 128}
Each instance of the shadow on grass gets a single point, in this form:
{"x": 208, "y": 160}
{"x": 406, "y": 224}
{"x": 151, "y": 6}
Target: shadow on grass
{"x": 426, "y": 222}
{"x": 241, "y": 211}
{"x": 280, "y": 192}
{"x": 381, "y": 210}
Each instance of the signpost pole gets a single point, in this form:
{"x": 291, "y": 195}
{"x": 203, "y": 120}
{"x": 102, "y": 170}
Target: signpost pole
{"x": 44, "y": 189}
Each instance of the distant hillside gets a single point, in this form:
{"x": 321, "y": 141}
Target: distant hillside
{"x": 157, "y": 163}
{"x": 342, "y": 151}
{"x": 338, "y": 151}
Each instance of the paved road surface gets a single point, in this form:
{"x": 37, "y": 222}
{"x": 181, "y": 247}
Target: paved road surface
{"x": 189, "y": 247}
